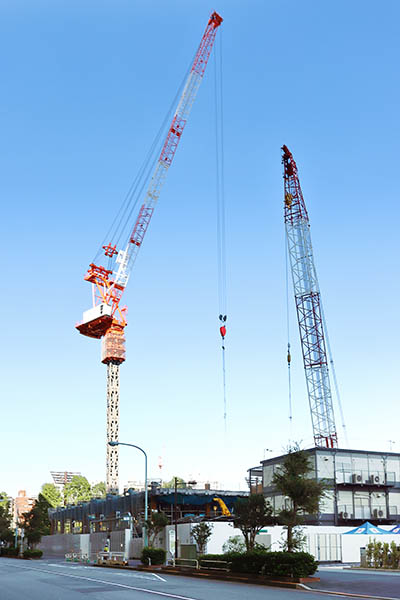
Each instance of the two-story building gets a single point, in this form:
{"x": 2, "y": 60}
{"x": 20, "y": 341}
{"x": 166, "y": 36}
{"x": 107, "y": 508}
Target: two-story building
{"x": 362, "y": 485}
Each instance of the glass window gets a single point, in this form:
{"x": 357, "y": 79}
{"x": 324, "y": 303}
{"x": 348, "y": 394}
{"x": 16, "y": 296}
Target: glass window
{"x": 325, "y": 465}
{"x": 393, "y": 469}
{"x": 327, "y": 504}
{"x": 268, "y": 472}
{"x": 394, "y": 504}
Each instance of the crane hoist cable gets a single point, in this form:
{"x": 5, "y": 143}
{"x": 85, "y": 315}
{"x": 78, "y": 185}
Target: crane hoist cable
{"x": 122, "y": 220}
{"x": 289, "y": 356}
{"x": 221, "y": 210}
{"x": 335, "y": 382}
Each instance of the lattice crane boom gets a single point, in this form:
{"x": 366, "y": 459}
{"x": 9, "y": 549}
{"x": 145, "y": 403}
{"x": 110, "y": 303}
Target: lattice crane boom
{"x": 111, "y": 283}
{"x": 308, "y": 306}
{"x": 107, "y": 319}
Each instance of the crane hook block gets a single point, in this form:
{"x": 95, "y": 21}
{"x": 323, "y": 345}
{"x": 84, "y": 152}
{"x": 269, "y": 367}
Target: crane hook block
{"x": 222, "y": 331}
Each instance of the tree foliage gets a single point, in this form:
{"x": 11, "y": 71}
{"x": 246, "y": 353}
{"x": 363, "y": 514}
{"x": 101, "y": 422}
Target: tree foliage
{"x": 235, "y": 543}
{"x": 77, "y": 490}
{"x": 251, "y": 514}
{"x": 37, "y": 522}
{"x": 292, "y": 479}
{"x": 202, "y": 533}
{"x": 155, "y": 525}
{"x": 52, "y": 494}
{"x": 99, "y": 490}
{"x": 6, "y": 534}
{"x": 171, "y": 484}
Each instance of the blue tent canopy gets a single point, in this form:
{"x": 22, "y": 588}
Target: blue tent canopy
{"x": 367, "y": 529}
{"x": 396, "y": 529}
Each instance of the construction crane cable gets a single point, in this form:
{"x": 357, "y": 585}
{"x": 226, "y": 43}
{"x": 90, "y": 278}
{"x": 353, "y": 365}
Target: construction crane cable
{"x": 335, "y": 382}
{"x": 221, "y": 211}
{"x": 122, "y": 218}
{"x": 289, "y": 357}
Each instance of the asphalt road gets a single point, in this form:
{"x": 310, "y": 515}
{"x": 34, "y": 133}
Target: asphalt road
{"x": 50, "y": 580}
{"x": 56, "y": 580}
{"x": 385, "y": 585}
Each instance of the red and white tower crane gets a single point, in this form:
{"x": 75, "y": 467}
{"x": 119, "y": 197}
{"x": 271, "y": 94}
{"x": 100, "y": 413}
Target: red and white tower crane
{"x": 308, "y": 306}
{"x": 107, "y": 319}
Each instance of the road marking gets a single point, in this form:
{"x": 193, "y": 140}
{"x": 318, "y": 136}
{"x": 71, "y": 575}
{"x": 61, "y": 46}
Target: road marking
{"x": 158, "y": 576}
{"x": 128, "y": 587}
{"x": 119, "y": 573}
{"x": 346, "y": 594}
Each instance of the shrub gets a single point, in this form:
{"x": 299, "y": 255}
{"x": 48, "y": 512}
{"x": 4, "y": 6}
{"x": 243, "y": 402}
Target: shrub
{"x": 289, "y": 564}
{"x": 10, "y": 551}
{"x": 249, "y": 562}
{"x": 275, "y": 564}
{"x": 33, "y": 553}
{"x": 156, "y": 556}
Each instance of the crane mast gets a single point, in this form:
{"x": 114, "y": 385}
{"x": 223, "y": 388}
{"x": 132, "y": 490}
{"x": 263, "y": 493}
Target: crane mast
{"x": 308, "y": 306}
{"x": 106, "y": 320}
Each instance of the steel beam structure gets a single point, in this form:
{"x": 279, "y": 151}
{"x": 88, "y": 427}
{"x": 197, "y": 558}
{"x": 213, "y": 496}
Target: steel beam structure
{"x": 112, "y": 459}
{"x": 308, "y": 306}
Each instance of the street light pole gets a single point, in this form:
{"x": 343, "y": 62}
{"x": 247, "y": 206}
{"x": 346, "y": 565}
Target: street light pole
{"x": 176, "y": 515}
{"x": 146, "y": 503}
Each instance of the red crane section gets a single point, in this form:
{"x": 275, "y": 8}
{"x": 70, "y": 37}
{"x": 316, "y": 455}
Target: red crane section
{"x": 107, "y": 319}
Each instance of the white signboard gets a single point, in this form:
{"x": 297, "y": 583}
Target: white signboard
{"x": 171, "y": 541}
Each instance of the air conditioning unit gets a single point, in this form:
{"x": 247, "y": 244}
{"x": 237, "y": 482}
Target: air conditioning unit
{"x": 375, "y": 479}
{"x": 380, "y": 513}
{"x": 357, "y": 478}
{"x": 343, "y": 515}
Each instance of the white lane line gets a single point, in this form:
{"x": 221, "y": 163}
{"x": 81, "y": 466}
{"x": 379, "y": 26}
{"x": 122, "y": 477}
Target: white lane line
{"x": 119, "y": 573}
{"x": 345, "y": 594}
{"x": 158, "y": 577}
{"x": 128, "y": 587}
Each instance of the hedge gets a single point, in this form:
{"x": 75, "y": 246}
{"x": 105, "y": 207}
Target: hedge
{"x": 10, "y": 551}
{"x": 32, "y": 553}
{"x": 157, "y": 556}
{"x": 271, "y": 564}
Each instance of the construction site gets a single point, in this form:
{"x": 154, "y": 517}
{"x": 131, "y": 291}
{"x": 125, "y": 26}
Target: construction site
{"x": 363, "y": 484}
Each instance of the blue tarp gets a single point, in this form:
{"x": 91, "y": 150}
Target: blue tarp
{"x": 367, "y": 529}
{"x": 396, "y": 529}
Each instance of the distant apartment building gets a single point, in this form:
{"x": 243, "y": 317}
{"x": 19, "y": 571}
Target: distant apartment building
{"x": 20, "y": 505}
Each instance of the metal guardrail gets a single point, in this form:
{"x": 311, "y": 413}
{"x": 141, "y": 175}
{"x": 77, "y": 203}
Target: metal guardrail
{"x": 224, "y": 565}
{"x": 203, "y": 565}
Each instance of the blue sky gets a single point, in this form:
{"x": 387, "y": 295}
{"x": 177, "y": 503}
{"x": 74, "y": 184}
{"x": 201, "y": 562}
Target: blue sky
{"x": 85, "y": 86}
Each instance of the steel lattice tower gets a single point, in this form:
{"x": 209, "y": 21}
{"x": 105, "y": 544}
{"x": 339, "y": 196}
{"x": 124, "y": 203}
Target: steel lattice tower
{"x": 107, "y": 319}
{"x": 308, "y": 306}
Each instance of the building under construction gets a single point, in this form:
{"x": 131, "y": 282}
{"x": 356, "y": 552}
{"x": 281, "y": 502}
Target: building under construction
{"x": 116, "y": 513}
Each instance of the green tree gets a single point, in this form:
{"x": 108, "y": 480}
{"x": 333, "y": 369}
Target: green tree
{"x": 234, "y": 543}
{"x": 52, "y": 494}
{"x": 292, "y": 479}
{"x": 37, "y": 522}
{"x": 171, "y": 484}
{"x": 99, "y": 490}
{"x": 202, "y": 533}
{"x": 155, "y": 525}
{"x": 251, "y": 514}
{"x": 6, "y": 534}
{"x": 78, "y": 490}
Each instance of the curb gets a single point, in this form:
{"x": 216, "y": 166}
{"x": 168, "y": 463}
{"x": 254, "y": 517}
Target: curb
{"x": 213, "y": 576}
